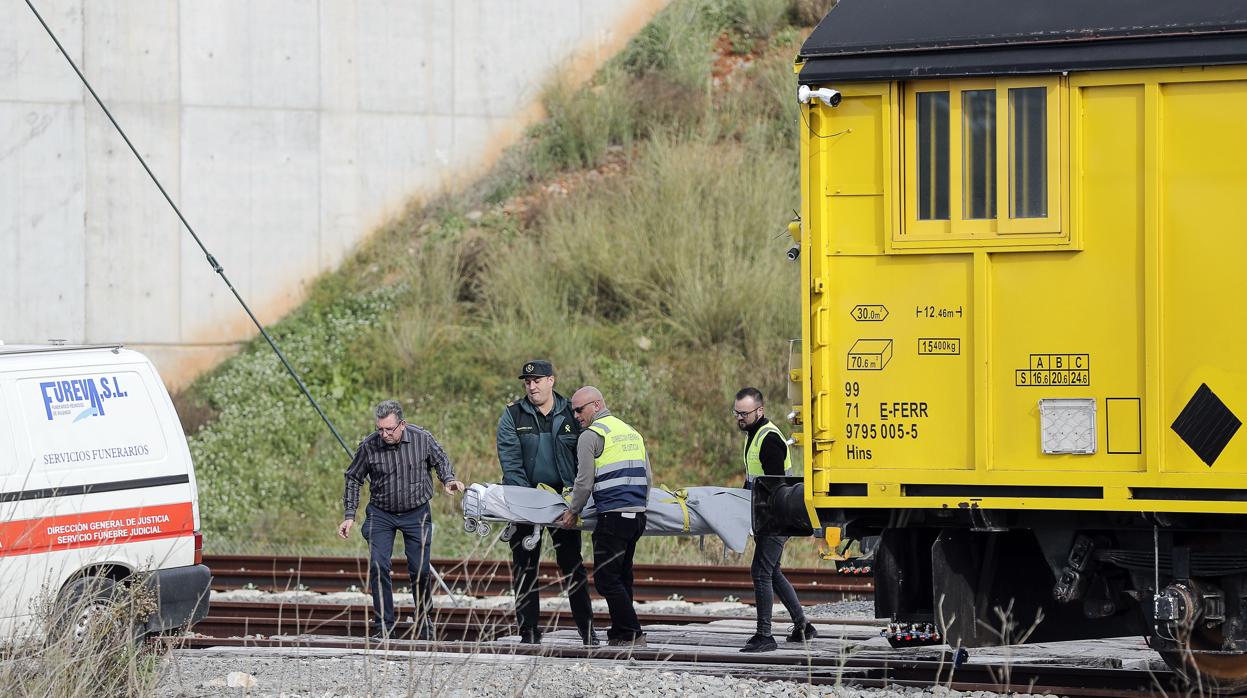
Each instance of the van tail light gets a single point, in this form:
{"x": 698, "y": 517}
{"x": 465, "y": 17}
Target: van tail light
{"x": 199, "y": 547}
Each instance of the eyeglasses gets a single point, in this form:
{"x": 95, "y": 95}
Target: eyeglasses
{"x": 742, "y": 415}
{"x": 391, "y": 430}
{"x": 580, "y": 409}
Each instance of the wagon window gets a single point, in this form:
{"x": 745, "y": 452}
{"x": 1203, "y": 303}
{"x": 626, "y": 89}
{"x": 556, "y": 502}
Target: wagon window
{"x": 1028, "y": 152}
{"x": 933, "y": 155}
{"x": 982, "y": 161}
{"x": 978, "y": 158}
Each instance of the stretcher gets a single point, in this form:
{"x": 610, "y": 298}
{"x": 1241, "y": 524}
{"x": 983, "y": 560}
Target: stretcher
{"x": 689, "y": 511}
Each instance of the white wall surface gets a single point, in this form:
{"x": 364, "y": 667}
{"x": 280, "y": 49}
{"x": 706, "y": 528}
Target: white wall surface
{"x": 284, "y": 129}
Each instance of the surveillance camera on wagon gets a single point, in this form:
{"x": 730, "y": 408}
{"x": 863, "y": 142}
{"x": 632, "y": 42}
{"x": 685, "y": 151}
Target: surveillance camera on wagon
{"x": 97, "y": 489}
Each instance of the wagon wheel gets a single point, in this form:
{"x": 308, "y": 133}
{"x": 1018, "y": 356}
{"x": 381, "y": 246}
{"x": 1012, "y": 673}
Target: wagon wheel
{"x": 1212, "y": 673}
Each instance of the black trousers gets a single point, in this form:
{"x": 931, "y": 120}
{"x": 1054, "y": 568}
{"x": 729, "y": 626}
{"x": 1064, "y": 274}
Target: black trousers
{"x": 614, "y": 544}
{"x": 524, "y": 574}
{"x": 769, "y": 581}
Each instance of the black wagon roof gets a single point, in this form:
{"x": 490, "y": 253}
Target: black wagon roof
{"x": 897, "y": 39}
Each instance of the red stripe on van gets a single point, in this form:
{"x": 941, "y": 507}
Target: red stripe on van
{"x": 96, "y": 528}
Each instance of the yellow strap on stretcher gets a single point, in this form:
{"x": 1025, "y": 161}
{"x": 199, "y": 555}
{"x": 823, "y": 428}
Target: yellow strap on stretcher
{"x": 566, "y": 494}
{"x": 680, "y": 497}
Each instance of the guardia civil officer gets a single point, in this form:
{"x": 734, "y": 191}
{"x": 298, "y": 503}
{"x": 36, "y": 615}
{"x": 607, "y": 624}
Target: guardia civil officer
{"x": 613, "y": 467}
{"x": 397, "y": 459}
{"x": 537, "y": 446}
{"x": 766, "y": 453}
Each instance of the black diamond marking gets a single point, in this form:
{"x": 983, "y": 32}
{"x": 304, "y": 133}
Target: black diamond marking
{"x": 1206, "y": 425}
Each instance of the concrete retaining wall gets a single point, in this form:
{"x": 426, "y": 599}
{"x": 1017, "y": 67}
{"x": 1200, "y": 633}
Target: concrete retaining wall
{"x": 285, "y": 129}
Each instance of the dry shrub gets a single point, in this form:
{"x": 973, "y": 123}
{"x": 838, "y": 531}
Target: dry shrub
{"x": 193, "y": 411}
{"x": 756, "y": 19}
{"x": 428, "y": 324}
{"x": 85, "y": 643}
{"x": 677, "y": 44}
{"x": 662, "y": 103}
{"x": 808, "y": 13}
{"x": 582, "y": 124}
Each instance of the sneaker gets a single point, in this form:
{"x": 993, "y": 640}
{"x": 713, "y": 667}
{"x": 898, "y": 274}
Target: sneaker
{"x": 803, "y": 633}
{"x": 760, "y": 643}
{"x": 530, "y": 636}
{"x": 637, "y": 641}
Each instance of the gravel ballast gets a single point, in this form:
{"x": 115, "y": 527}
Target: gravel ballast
{"x": 190, "y": 674}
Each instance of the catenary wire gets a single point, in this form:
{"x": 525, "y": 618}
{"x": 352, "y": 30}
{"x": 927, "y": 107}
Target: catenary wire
{"x": 212, "y": 261}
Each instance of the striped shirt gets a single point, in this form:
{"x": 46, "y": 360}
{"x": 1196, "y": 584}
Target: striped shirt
{"x": 399, "y": 478}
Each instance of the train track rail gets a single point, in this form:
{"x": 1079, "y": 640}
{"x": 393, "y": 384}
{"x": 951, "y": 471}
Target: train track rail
{"x": 293, "y": 626}
{"x": 242, "y": 618}
{"x": 493, "y": 577}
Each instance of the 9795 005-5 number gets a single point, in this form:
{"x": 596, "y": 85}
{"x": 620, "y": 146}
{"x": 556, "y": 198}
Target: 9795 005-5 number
{"x": 866, "y": 430}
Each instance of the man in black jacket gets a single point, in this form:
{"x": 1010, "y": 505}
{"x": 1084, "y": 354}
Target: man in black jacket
{"x": 766, "y": 453}
{"x": 537, "y": 446}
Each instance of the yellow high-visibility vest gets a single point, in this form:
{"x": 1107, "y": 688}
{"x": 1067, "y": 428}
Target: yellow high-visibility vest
{"x": 620, "y": 478}
{"x": 753, "y": 463}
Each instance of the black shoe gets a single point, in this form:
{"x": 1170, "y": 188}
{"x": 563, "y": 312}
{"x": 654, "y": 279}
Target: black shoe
{"x": 381, "y": 633}
{"x": 530, "y": 636}
{"x": 760, "y": 643}
{"x": 803, "y": 633}
{"x": 636, "y": 641}
{"x": 590, "y": 638}
{"x": 424, "y": 632}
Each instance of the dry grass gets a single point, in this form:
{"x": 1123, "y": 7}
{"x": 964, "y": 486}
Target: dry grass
{"x": 84, "y": 645}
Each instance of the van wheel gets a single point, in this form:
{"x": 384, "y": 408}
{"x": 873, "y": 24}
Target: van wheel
{"x": 88, "y": 610}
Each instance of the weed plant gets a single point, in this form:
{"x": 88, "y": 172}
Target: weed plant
{"x": 85, "y": 645}
{"x": 662, "y": 281}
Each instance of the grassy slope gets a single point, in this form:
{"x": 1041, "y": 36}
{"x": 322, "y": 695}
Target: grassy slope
{"x": 631, "y": 239}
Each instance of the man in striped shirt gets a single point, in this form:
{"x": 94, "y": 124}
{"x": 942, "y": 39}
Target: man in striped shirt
{"x": 396, "y": 459}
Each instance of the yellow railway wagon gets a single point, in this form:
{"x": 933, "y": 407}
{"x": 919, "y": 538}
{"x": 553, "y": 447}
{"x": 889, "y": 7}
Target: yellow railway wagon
{"x": 1023, "y": 365}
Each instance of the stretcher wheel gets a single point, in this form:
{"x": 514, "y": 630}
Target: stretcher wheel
{"x": 530, "y": 542}
{"x": 507, "y": 533}
{"x": 469, "y": 526}
{"x": 483, "y": 528}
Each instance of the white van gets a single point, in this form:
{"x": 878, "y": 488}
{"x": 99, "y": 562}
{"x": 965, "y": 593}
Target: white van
{"x": 96, "y": 485}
